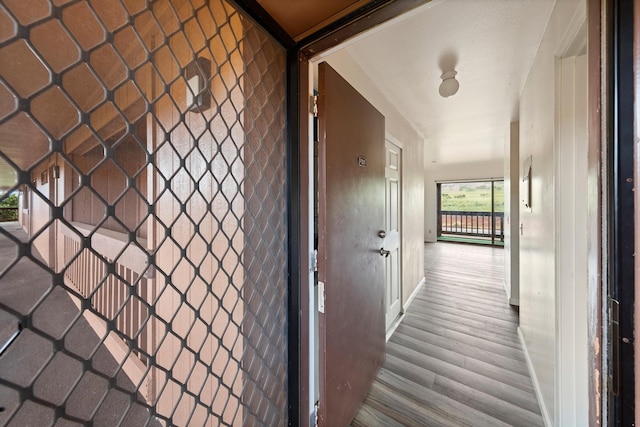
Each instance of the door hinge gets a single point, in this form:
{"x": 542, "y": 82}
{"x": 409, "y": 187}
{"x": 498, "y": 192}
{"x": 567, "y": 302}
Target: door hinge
{"x": 614, "y": 351}
{"x": 316, "y": 408}
{"x": 314, "y": 105}
{"x": 314, "y": 260}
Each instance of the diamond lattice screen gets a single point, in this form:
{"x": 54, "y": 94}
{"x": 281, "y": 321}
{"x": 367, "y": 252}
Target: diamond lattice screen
{"x": 144, "y": 281}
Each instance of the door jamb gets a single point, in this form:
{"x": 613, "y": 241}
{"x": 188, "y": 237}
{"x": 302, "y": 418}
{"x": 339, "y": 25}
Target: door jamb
{"x": 621, "y": 207}
{"x": 597, "y": 51}
{"x": 636, "y": 60}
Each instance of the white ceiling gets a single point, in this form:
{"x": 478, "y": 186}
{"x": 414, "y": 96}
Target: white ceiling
{"x": 491, "y": 42}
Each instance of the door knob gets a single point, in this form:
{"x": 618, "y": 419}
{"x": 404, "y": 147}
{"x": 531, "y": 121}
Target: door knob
{"x": 382, "y": 234}
{"x": 384, "y": 253}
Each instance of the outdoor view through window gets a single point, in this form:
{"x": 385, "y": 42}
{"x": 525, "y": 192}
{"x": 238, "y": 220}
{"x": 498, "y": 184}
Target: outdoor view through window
{"x": 471, "y": 212}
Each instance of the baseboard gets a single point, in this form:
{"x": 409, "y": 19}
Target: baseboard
{"x": 534, "y": 379}
{"x": 507, "y": 289}
{"x": 394, "y": 326}
{"x": 413, "y": 295}
{"x": 397, "y": 322}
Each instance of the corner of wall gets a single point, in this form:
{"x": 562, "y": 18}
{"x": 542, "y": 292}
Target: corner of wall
{"x": 514, "y": 224}
{"x": 406, "y": 305}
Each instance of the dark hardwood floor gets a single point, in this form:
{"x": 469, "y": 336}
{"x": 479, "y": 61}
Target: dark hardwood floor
{"x": 455, "y": 359}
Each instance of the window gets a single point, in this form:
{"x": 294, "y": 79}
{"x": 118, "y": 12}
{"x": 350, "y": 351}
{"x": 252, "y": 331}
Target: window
{"x": 471, "y": 212}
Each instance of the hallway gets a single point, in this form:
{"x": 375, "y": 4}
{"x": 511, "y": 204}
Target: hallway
{"x": 455, "y": 359}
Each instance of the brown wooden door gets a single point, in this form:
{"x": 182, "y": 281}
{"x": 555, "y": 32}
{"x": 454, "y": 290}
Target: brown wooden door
{"x": 351, "y": 201}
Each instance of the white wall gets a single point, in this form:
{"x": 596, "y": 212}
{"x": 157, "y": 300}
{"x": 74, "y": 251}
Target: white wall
{"x": 412, "y": 179}
{"x": 539, "y": 116}
{"x": 512, "y": 214}
{"x": 461, "y": 171}
{"x": 571, "y": 244}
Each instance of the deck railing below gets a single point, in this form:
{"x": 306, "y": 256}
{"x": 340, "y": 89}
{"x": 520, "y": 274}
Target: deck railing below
{"x": 119, "y": 296}
{"x": 479, "y": 224}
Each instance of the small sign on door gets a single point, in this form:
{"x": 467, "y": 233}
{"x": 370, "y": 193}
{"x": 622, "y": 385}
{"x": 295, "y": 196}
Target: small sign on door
{"x": 362, "y": 162}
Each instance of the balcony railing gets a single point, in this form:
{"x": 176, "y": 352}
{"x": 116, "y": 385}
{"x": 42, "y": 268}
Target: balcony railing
{"x": 479, "y": 224}
{"x": 123, "y": 302}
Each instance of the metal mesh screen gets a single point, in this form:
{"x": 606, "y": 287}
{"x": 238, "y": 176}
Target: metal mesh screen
{"x": 144, "y": 282}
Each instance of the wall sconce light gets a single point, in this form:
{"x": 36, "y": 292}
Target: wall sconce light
{"x": 197, "y": 74}
{"x": 449, "y": 85}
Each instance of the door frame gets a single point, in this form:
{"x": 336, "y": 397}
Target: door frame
{"x": 598, "y": 49}
{"x": 300, "y": 183}
{"x": 597, "y": 139}
{"x": 636, "y": 64}
{"x": 622, "y": 224}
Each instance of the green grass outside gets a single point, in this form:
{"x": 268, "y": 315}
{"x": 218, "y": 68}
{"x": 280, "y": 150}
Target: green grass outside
{"x": 10, "y": 201}
{"x": 471, "y": 196}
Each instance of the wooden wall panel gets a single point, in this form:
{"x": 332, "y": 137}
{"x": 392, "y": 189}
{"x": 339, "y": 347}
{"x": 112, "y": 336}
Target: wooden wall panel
{"x": 109, "y": 179}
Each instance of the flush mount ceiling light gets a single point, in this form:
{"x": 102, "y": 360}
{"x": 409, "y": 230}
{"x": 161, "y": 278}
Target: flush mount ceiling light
{"x": 449, "y": 85}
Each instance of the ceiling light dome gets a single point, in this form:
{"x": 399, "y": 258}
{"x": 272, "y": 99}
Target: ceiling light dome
{"x": 449, "y": 85}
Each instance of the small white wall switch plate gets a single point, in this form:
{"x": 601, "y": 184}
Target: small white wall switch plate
{"x": 321, "y": 297}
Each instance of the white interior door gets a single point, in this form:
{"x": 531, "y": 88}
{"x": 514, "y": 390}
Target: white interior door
{"x": 393, "y": 226}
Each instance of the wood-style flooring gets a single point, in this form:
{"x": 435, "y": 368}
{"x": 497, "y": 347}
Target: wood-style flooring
{"x": 455, "y": 359}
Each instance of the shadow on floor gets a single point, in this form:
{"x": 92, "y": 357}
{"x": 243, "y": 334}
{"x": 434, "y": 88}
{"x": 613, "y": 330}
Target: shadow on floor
{"x": 52, "y": 354}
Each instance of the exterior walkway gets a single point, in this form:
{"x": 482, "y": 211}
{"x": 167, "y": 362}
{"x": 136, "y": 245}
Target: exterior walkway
{"x": 82, "y": 374}
{"x": 455, "y": 359}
